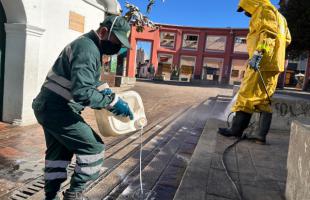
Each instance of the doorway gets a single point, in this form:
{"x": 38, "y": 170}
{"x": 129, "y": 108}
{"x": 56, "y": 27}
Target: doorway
{"x": 295, "y": 75}
{"x": 143, "y": 59}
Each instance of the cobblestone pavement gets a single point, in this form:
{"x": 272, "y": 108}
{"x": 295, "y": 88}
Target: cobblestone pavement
{"x": 22, "y": 148}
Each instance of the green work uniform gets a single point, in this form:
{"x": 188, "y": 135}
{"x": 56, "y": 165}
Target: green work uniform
{"x": 66, "y": 132}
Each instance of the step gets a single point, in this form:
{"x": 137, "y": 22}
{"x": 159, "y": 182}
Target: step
{"x": 158, "y": 164}
{"x": 195, "y": 178}
{"x": 115, "y": 177}
{"x": 164, "y": 167}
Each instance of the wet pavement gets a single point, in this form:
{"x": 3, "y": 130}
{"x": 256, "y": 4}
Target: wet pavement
{"x": 22, "y": 148}
{"x": 259, "y": 172}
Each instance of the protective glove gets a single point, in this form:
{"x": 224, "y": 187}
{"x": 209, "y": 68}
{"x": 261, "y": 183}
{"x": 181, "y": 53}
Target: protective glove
{"x": 106, "y": 91}
{"x": 120, "y": 108}
{"x": 254, "y": 62}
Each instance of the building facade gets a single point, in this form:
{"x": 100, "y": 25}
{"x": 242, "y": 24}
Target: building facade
{"x": 33, "y": 33}
{"x": 215, "y": 55}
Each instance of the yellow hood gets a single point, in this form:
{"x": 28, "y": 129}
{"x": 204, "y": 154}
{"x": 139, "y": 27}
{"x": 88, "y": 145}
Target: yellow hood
{"x": 251, "y": 5}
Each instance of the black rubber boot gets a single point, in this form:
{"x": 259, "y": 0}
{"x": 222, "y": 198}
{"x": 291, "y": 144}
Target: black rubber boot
{"x": 74, "y": 196}
{"x": 262, "y": 129}
{"x": 51, "y": 196}
{"x": 239, "y": 123}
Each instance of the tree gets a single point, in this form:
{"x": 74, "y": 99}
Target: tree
{"x": 297, "y": 14}
{"x": 137, "y": 18}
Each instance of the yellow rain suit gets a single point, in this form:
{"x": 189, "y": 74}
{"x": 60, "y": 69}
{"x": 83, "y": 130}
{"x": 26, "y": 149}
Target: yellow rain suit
{"x": 268, "y": 32}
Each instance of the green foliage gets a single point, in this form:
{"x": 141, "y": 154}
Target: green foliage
{"x": 297, "y": 14}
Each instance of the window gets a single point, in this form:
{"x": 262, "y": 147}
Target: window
{"x": 216, "y": 43}
{"x": 190, "y": 41}
{"x": 212, "y": 69}
{"x": 240, "y": 45}
{"x": 167, "y": 39}
{"x": 237, "y": 71}
{"x": 164, "y": 64}
{"x": 187, "y": 65}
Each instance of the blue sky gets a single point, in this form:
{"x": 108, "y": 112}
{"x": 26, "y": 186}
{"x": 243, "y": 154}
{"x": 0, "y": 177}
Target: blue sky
{"x": 201, "y": 13}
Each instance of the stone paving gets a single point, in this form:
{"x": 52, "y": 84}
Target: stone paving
{"x": 22, "y": 148}
{"x": 259, "y": 171}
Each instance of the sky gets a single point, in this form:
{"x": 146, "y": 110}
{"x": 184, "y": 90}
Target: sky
{"x": 200, "y": 13}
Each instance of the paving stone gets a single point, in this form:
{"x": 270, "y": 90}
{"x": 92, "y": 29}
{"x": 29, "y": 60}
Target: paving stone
{"x": 282, "y": 186}
{"x": 172, "y": 176}
{"x": 254, "y": 193}
{"x": 220, "y": 185}
{"x": 263, "y": 158}
{"x": 272, "y": 174}
{"x": 180, "y": 160}
{"x": 244, "y": 161}
{"x": 230, "y": 161}
{"x": 212, "y": 197}
{"x": 164, "y": 192}
{"x": 258, "y": 181}
{"x": 188, "y": 148}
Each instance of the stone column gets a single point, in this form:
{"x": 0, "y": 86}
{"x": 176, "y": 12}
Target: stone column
{"x": 21, "y": 72}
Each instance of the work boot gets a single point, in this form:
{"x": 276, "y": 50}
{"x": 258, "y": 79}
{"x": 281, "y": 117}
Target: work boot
{"x": 74, "y": 196}
{"x": 261, "y": 129}
{"x": 51, "y": 196}
{"x": 239, "y": 123}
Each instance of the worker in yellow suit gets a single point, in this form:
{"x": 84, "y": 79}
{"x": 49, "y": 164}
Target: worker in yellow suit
{"x": 267, "y": 40}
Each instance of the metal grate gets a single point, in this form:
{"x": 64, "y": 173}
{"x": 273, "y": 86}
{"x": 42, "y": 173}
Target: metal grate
{"x": 34, "y": 187}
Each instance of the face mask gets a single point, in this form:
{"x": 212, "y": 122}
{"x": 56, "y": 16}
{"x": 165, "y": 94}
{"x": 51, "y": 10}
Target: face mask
{"x": 108, "y": 47}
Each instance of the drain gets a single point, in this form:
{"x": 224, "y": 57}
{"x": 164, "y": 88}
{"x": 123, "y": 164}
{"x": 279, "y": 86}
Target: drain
{"x": 34, "y": 187}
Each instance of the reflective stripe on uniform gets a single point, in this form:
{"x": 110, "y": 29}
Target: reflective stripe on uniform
{"x": 87, "y": 170}
{"x": 56, "y": 163}
{"x": 58, "y": 90}
{"x": 89, "y": 158}
{"x": 59, "y": 80}
{"x": 55, "y": 175}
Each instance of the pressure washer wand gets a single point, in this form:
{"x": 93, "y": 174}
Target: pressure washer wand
{"x": 264, "y": 84}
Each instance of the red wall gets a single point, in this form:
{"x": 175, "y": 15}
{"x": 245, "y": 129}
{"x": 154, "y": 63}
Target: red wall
{"x": 147, "y": 35}
{"x": 177, "y": 51}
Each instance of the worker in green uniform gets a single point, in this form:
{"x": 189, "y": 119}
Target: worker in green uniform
{"x": 70, "y": 86}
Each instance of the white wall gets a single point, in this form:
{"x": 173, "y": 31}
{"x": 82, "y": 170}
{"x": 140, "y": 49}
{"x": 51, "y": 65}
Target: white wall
{"x": 57, "y": 33}
{"x": 37, "y": 31}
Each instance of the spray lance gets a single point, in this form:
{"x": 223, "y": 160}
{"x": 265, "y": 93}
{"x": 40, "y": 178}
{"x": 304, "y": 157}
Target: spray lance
{"x": 254, "y": 63}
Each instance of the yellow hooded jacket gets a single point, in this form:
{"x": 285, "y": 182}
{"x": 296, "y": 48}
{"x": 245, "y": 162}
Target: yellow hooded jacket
{"x": 268, "y": 32}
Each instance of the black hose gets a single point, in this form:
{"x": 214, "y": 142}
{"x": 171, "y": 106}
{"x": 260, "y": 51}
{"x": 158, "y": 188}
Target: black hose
{"x": 237, "y": 189}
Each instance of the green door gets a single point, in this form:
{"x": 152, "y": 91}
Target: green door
{"x": 2, "y": 55}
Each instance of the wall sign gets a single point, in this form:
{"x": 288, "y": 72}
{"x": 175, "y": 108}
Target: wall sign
{"x": 76, "y": 22}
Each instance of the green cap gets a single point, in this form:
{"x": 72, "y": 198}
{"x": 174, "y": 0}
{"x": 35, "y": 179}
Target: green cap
{"x": 120, "y": 27}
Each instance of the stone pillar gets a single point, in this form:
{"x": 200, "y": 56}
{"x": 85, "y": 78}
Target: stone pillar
{"x": 298, "y": 163}
{"x": 21, "y": 72}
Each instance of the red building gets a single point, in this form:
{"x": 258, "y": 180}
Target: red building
{"x": 217, "y": 55}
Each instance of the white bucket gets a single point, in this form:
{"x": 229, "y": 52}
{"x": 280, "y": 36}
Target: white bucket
{"x": 111, "y": 125}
